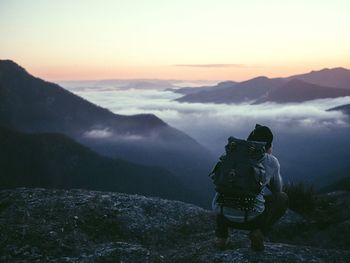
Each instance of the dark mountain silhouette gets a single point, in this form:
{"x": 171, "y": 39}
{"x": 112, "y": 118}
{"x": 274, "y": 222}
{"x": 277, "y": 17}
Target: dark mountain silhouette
{"x": 56, "y": 161}
{"x": 299, "y": 91}
{"x": 335, "y": 77}
{"x": 342, "y": 184}
{"x": 326, "y": 83}
{"x": 334, "y": 180}
{"x": 30, "y": 104}
{"x": 245, "y": 91}
{"x": 343, "y": 108}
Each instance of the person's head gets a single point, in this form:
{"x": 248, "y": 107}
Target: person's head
{"x": 262, "y": 134}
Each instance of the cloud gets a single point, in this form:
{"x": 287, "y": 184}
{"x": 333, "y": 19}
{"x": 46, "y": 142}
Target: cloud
{"x": 211, "y": 124}
{"x": 309, "y": 140}
{"x": 129, "y": 137}
{"x": 98, "y": 133}
{"x": 212, "y": 65}
{"x": 106, "y": 133}
{"x": 162, "y": 104}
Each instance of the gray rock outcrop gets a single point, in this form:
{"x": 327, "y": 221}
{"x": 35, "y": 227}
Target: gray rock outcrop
{"x": 39, "y": 225}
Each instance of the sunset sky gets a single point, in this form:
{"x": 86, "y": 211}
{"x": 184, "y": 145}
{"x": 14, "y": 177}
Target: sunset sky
{"x": 174, "y": 39}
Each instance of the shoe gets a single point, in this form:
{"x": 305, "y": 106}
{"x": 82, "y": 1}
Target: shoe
{"x": 257, "y": 240}
{"x": 221, "y": 243}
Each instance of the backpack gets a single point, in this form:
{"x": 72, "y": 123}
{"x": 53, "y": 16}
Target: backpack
{"x": 239, "y": 176}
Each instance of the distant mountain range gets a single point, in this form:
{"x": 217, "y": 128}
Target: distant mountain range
{"x": 56, "y": 161}
{"x": 337, "y": 180}
{"x": 340, "y": 185}
{"x": 334, "y": 78}
{"x": 326, "y": 83}
{"x": 118, "y": 84}
{"x": 297, "y": 90}
{"x": 192, "y": 90}
{"x": 29, "y": 104}
{"x": 236, "y": 92}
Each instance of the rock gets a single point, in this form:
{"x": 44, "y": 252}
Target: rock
{"x": 325, "y": 227}
{"x": 276, "y": 252}
{"x": 88, "y": 226}
{"x": 290, "y": 218}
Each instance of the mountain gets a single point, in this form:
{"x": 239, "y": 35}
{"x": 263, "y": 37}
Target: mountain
{"x": 246, "y": 91}
{"x": 193, "y": 90}
{"x": 326, "y": 83}
{"x": 88, "y": 226}
{"x": 336, "y": 180}
{"x": 148, "y": 84}
{"x": 298, "y": 91}
{"x": 56, "y": 161}
{"x": 30, "y": 104}
{"x": 342, "y": 184}
{"x": 117, "y": 84}
{"x": 335, "y": 77}
{"x": 343, "y": 108}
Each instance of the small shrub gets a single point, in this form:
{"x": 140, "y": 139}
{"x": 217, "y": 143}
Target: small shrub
{"x": 302, "y": 197}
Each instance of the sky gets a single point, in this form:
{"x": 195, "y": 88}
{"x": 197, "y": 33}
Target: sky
{"x": 182, "y": 39}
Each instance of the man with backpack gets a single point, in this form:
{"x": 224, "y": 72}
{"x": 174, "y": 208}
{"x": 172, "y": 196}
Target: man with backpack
{"x": 240, "y": 179}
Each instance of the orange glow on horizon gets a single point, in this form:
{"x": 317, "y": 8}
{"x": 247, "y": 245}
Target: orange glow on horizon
{"x": 184, "y": 39}
{"x": 78, "y": 72}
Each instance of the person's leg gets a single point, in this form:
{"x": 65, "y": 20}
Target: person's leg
{"x": 257, "y": 240}
{"x": 222, "y": 227}
{"x": 221, "y": 231}
{"x": 275, "y": 207}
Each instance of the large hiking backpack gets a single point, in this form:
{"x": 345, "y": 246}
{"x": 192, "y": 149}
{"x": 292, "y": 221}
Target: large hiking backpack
{"x": 239, "y": 176}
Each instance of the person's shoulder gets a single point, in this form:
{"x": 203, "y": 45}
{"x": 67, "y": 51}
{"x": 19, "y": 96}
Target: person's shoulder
{"x": 271, "y": 160}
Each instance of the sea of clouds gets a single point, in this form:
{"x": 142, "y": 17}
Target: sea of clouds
{"x": 306, "y": 134}
{"x": 211, "y": 123}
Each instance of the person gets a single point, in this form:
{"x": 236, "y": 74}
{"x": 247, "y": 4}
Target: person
{"x": 268, "y": 209}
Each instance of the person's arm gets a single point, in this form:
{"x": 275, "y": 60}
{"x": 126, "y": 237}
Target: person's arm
{"x": 276, "y": 184}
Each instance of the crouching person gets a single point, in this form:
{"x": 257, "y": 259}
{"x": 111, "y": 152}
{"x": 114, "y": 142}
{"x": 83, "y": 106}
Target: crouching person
{"x": 240, "y": 178}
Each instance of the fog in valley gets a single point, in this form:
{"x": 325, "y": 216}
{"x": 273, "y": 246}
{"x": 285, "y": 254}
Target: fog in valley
{"x": 310, "y": 141}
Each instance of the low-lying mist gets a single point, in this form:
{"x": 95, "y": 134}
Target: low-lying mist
{"x": 310, "y": 141}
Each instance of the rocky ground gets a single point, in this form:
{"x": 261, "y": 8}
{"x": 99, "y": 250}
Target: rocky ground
{"x": 38, "y": 225}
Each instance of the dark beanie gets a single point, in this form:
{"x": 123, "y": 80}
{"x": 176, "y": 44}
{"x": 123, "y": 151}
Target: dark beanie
{"x": 261, "y": 134}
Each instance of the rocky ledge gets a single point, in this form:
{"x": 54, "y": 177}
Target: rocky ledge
{"x": 39, "y": 225}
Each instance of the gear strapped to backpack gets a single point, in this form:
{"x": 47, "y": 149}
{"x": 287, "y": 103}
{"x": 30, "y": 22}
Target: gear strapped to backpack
{"x": 239, "y": 176}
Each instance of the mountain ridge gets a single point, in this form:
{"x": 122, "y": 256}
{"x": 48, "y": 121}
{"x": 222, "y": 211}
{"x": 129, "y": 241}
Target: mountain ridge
{"x": 56, "y": 161}
{"x": 326, "y": 83}
{"x": 343, "y": 108}
{"x": 338, "y": 77}
{"x": 9, "y": 69}
{"x": 29, "y": 104}
{"x": 246, "y": 91}
{"x": 296, "y": 90}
